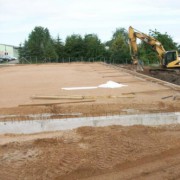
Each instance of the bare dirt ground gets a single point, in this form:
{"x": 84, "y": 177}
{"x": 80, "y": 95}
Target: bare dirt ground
{"x": 113, "y": 152}
{"x": 19, "y": 83}
{"x": 169, "y": 75}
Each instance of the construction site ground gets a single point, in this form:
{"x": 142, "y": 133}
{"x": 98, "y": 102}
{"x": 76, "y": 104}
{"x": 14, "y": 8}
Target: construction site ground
{"x": 20, "y": 83}
{"x": 166, "y": 74}
{"x": 112, "y": 152}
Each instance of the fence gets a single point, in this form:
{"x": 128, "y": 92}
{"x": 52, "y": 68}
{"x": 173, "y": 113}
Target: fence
{"x": 35, "y": 60}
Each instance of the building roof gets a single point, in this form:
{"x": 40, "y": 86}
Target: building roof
{"x": 10, "y": 45}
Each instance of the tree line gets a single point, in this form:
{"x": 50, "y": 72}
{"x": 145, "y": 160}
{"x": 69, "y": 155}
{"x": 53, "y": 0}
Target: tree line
{"x": 42, "y": 47}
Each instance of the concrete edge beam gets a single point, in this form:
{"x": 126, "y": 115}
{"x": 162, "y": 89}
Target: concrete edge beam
{"x": 36, "y": 126}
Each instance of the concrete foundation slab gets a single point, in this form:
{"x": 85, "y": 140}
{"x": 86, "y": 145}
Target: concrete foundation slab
{"x": 35, "y": 126}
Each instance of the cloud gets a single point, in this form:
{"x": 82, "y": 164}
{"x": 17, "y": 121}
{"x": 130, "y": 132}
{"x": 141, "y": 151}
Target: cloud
{"x": 18, "y": 18}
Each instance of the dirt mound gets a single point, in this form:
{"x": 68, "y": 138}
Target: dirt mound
{"x": 95, "y": 153}
{"x": 172, "y": 78}
{"x": 169, "y": 75}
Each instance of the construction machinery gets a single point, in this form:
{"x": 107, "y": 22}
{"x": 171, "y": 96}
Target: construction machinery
{"x": 168, "y": 59}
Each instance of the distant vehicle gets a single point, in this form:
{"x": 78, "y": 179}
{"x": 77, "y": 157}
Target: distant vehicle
{"x": 7, "y": 58}
{"x": 2, "y": 58}
{"x": 12, "y": 58}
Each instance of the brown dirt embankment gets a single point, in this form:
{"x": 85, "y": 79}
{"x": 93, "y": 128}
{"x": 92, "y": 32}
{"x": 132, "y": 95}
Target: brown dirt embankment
{"x": 113, "y": 152}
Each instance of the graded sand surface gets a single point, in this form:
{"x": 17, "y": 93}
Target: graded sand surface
{"x": 22, "y": 82}
{"x": 92, "y": 153}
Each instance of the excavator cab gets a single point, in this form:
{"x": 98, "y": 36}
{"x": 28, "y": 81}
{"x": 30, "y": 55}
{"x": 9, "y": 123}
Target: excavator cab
{"x": 169, "y": 57}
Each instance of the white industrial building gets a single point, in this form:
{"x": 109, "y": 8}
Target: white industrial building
{"x": 9, "y": 50}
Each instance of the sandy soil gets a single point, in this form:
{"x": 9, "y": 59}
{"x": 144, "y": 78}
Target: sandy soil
{"x": 19, "y": 83}
{"x": 169, "y": 75}
{"x": 113, "y": 152}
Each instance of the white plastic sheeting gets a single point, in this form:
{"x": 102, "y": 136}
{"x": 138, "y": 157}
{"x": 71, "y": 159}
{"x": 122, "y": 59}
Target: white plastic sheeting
{"x": 80, "y": 88}
{"x": 111, "y": 84}
{"x": 108, "y": 84}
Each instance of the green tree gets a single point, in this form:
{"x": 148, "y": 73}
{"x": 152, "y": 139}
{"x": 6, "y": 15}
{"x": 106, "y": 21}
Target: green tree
{"x": 23, "y": 50}
{"x": 74, "y": 46}
{"x": 147, "y": 53}
{"x": 118, "y": 46}
{"x": 121, "y": 31}
{"x": 59, "y": 48}
{"x": 39, "y": 45}
{"x": 93, "y": 47}
{"x": 165, "y": 39}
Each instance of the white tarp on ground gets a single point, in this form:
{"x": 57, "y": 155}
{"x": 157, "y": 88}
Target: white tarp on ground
{"x": 80, "y": 88}
{"x": 108, "y": 84}
{"x": 111, "y": 84}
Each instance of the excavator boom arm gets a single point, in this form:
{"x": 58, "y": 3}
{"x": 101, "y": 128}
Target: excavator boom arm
{"x": 155, "y": 44}
{"x": 168, "y": 59}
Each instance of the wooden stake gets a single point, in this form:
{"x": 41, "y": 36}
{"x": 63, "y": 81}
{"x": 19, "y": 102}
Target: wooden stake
{"x": 49, "y": 104}
{"x": 57, "y": 97}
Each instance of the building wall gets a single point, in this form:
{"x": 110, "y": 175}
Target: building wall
{"x": 10, "y": 50}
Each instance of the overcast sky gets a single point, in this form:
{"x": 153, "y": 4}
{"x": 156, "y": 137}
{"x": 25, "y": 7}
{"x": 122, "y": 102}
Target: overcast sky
{"x": 65, "y": 17}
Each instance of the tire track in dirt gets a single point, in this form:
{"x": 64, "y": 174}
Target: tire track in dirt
{"x": 66, "y": 162}
{"x": 170, "y": 172}
{"x": 110, "y": 155}
{"x": 54, "y": 162}
{"x": 159, "y": 169}
{"x": 66, "y": 165}
{"x": 163, "y": 166}
{"x": 114, "y": 152}
{"x": 16, "y": 159}
{"x": 102, "y": 157}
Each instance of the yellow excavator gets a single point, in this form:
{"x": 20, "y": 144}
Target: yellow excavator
{"x": 168, "y": 59}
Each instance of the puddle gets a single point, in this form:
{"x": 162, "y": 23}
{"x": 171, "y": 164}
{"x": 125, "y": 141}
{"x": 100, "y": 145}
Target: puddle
{"x": 35, "y": 126}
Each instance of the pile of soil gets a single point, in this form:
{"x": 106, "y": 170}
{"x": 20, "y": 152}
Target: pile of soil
{"x": 170, "y": 75}
{"x": 113, "y": 152}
